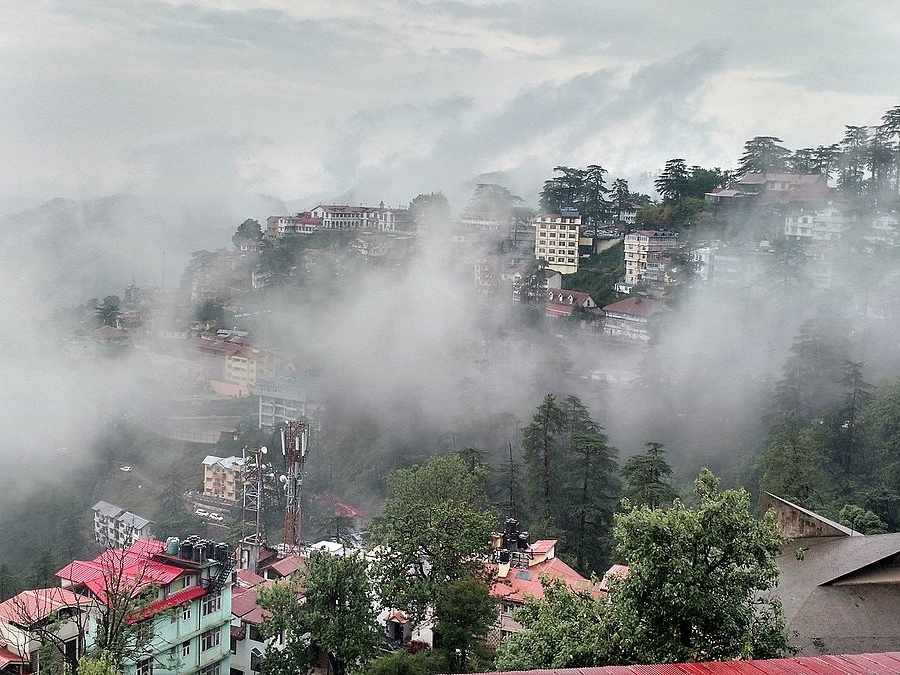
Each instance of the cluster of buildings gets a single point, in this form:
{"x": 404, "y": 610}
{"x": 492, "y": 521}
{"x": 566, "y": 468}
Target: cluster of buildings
{"x": 191, "y": 606}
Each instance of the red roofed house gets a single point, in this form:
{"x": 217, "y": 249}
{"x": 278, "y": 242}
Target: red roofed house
{"x": 519, "y": 571}
{"x": 631, "y": 318}
{"x": 562, "y": 303}
{"x": 177, "y": 591}
{"x": 20, "y": 635}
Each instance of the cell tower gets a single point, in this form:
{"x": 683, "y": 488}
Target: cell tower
{"x": 294, "y": 437}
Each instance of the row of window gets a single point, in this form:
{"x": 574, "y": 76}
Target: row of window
{"x": 560, "y": 259}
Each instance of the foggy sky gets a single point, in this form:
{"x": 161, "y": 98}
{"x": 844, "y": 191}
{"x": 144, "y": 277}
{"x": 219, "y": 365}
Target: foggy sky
{"x": 384, "y": 99}
{"x": 211, "y": 112}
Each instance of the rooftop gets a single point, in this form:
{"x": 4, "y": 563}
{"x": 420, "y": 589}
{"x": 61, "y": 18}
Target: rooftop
{"x": 32, "y": 606}
{"x": 882, "y": 663}
{"x": 635, "y": 306}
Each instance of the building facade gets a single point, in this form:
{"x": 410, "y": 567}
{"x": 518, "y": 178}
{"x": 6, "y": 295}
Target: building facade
{"x": 183, "y": 592}
{"x": 280, "y": 399}
{"x": 556, "y": 241}
{"x": 114, "y": 527}
{"x": 645, "y": 258}
{"x": 631, "y": 318}
{"x": 345, "y": 217}
{"x": 223, "y": 477}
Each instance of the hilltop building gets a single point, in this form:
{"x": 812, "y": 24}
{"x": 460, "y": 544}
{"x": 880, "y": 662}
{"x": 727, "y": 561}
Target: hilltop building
{"x": 344, "y": 217}
{"x": 278, "y": 227}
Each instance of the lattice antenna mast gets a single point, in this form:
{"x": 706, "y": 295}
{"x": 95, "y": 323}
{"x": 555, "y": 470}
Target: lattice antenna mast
{"x": 294, "y": 446}
{"x": 254, "y": 495}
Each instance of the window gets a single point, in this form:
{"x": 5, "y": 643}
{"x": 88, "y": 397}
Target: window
{"x": 212, "y": 669}
{"x": 185, "y": 648}
{"x": 145, "y": 667}
{"x": 186, "y": 612}
{"x": 210, "y": 639}
{"x": 212, "y": 603}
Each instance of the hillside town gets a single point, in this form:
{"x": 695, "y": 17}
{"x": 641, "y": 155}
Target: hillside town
{"x": 231, "y": 534}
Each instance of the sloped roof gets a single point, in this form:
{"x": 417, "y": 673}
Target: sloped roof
{"x": 881, "y": 663}
{"x": 179, "y": 598}
{"x": 635, "y": 306}
{"x": 287, "y": 565}
{"x": 107, "y": 509}
{"x": 132, "y": 568}
{"x": 832, "y": 618}
{"x": 522, "y": 583}
{"x": 31, "y": 606}
{"x": 248, "y": 578}
{"x": 7, "y": 656}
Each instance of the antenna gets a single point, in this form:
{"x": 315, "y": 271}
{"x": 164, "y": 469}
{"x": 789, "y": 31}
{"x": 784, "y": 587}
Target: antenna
{"x": 511, "y": 477}
{"x": 295, "y": 458}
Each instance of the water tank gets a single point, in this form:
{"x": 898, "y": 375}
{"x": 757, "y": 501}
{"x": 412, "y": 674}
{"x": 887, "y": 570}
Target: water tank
{"x": 173, "y": 546}
{"x": 187, "y": 549}
{"x": 222, "y": 551}
{"x": 200, "y": 551}
{"x": 523, "y": 540}
{"x": 504, "y": 555}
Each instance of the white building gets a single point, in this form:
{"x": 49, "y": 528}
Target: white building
{"x": 826, "y": 223}
{"x": 278, "y": 227}
{"x": 280, "y": 399}
{"x": 114, "y": 527}
{"x": 344, "y": 217}
{"x": 556, "y": 241}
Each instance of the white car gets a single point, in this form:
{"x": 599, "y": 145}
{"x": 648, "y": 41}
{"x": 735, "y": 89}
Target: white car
{"x": 125, "y": 468}
{"x": 216, "y": 517}
{"x": 203, "y": 513}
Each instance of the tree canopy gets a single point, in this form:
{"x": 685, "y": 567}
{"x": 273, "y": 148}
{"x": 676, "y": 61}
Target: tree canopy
{"x": 697, "y": 590}
{"x": 435, "y": 528}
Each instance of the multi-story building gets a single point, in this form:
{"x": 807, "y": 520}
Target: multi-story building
{"x": 645, "y": 254}
{"x": 223, "y": 477}
{"x": 183, "y": 592}
{"x": 824, "y": 223}
{"x": 114, "y": 527}
{"x": 281, "y": 399}
{"x": 556, "y": 240}
{"x": 344, "y": 217}
{"x": 248, "y": 365}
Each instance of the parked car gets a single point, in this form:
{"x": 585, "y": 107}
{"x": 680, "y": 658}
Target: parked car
{"x": 216, "y": 517}
{"x": 203, "y": 513}
{"x": 125, "y": 468}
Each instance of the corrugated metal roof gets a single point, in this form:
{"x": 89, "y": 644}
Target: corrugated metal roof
{"x": 886, "y": 663}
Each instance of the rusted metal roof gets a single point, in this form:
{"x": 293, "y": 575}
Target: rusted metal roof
{"x": 886, "y": 663}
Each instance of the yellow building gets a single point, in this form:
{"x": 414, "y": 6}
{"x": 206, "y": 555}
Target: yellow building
{"x": 556, "y": 241}
{"x": 223, "y": 477}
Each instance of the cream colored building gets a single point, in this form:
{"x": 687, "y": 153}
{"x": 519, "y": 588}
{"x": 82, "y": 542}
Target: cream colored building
{"x": 223, "y": 477}
{"x": 644, "y": 254}
{"x": 248, "y": 366}
{"x": 556, "y": 241}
